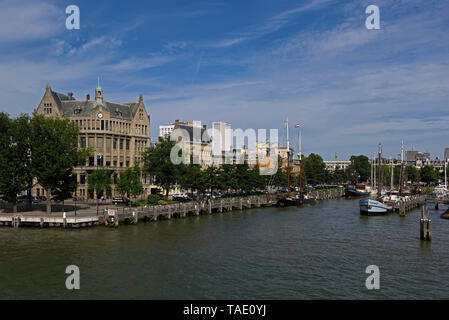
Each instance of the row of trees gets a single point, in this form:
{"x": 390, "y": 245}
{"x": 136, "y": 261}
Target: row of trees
{"x": 156, "y": 160}
{"x": 45, "y": 151}
{"x": 41, "y": 148}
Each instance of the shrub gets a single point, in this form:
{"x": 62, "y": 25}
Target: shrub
{"x": 152, "y": 199}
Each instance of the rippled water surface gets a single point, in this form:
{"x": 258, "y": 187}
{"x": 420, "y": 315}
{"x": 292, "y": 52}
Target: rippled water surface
{"x": 317, "y": 252}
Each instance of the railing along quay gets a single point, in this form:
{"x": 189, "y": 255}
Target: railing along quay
{"x": 403, "y": 206}
{"x": 113, "y": 217}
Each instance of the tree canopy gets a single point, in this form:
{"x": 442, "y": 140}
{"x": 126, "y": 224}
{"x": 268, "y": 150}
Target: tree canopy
{"x": 15, "y": 156}
{"x": 54, "y": 151}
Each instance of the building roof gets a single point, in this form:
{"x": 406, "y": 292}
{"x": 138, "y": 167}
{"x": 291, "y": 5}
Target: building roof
{"x": 204, "y": 135}
{"x": 69, "y": 107}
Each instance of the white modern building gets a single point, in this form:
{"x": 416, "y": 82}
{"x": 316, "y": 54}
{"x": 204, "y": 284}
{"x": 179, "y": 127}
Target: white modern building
{"x": 333, "y": 165}
{"x": 166, "y": 129}
{"x": 221, "y": 137}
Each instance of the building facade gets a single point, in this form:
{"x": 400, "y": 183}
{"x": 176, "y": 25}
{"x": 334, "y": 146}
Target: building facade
{"x": 332, "y": 165}
{"x": 118, "y": 133}
{"x": 221, "y": 138}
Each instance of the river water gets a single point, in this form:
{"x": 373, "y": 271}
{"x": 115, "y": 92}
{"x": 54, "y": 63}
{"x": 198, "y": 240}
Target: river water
{"x": 316, "y": 252}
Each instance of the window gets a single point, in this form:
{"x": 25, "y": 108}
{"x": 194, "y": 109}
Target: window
{"x": 127, "y": 144}
{"x": 115, "y": 164}
{"x": 102, "y": 124}
{"x": 100, "y": 160}
{"x": 82, "y": 179}
{"x": 108, "y": 163}
{"x": 107, "y": 123}
{"x": 91, "y": 161}
{"x": 114, "y": 143}
{"x": 83, "y": 142}
{"x": 121, "y": 144}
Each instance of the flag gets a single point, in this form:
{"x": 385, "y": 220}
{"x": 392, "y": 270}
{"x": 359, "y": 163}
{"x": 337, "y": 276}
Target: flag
{"x": 297, "y": 125}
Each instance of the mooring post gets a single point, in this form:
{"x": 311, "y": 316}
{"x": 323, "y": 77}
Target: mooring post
{"x": 425, "y": 225}
{"x": 64, "y": 220}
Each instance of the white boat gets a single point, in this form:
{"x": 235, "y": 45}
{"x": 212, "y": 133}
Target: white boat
{"x": 440, "y": 192}
{"x": 370, "y": 207}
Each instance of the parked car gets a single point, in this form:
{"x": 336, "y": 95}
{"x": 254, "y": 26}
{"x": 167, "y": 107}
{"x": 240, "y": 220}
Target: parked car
{"x": 181, "y": 198}
{"x": 120, "y": 200}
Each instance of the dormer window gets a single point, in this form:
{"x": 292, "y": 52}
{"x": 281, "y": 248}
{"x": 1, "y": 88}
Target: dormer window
{"x": 140, "y": 114}
{"x": 47, "y": 108}
{"x": 118, "y": 112}
{"x": 77, "y": 111}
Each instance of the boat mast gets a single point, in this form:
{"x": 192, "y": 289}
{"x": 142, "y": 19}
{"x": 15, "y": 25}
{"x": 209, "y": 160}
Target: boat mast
{"x": 379, "y": 181}
{"x": 300, "y": 160}
{"x": 445, "y": 176}
{"x": 288, "y": 161}
{"x": 392, "y": 176}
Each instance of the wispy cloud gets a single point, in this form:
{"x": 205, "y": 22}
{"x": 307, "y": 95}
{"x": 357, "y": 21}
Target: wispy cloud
{"x": 273, "y": 24}
{"x": 29, "y": 20}
{"x": 135, "y": 64}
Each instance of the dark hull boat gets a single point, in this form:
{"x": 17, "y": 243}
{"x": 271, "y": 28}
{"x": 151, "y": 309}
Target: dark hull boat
{"x": 352, "y": 193}
{"x": 288, "y": 202}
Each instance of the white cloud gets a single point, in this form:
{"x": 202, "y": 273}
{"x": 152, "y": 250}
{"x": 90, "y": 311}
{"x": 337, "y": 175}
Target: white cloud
{"x": 29, "y": 20}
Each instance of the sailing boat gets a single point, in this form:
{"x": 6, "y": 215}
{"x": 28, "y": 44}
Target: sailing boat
{"x": 288, "y": 201}
{"x": 371, "y": 207}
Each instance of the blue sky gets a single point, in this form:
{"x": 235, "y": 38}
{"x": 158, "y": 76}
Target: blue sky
{"x": 250, "y": 63}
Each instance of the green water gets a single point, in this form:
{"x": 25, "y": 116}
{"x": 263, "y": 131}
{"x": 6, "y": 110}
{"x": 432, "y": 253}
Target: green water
{"x": 317, "y": 252}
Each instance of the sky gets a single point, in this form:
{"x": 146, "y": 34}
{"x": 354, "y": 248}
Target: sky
{"x": 250, "y": 63}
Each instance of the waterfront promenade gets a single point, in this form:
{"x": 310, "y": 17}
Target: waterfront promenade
{"x": 112, "y": 215}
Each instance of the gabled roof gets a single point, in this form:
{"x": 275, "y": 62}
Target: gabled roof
{"x": 68, "y": 105}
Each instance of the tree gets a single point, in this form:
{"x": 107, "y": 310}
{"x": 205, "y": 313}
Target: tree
{"x": 100, "y": 182}
{"x": 15, "y": 156}
{"x": 129, "y": 182}
{"x": 412, "y": 174}
{"x": 54, "y": 152}
{"x": 65, "y": 188}
{"x": 314, "y": 169}
{"x": 227, "y": 178}
{"x": 192, "y": 177}
{"x": 361, "y": 166}
{"x": 429, "y": 175}
{"x": 157, "y": 162}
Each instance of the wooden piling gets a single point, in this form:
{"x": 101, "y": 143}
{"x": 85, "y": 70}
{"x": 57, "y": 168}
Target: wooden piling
{"x": 425, "y": 225}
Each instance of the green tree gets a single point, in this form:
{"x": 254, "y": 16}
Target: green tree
{"x": 314, "y": 169}
{"x": 15, "y": 156}
{"x": 429, "y": 175}
{"x": 65, "y": 188}
{"x": 412, "y": 174}
{"x": 361, "y": 166}
{"x": 192, "y": 177}
{"x": 129, "y": 182}
{"x": 157, "y": 162}
{"x": 54, "y": 152}
{"x": 227, "y": 178}
{"x": 100, "y": 182}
